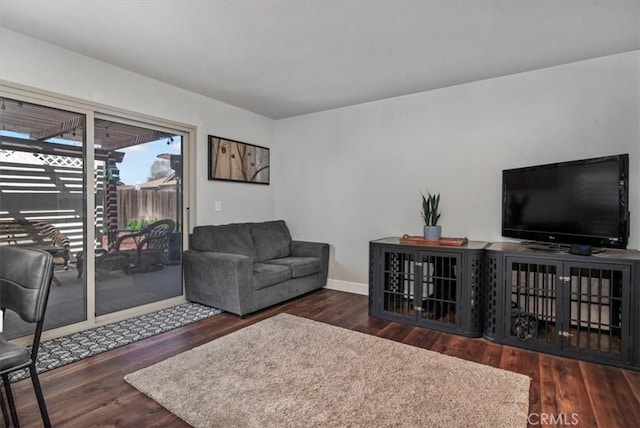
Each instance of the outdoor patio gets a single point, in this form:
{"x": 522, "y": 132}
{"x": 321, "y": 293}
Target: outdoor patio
{"x": 135, "y": 181}
{"x": 115, "y": 291}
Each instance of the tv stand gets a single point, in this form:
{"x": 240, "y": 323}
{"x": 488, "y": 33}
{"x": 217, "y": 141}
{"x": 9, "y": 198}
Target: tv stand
{"x": 428, "y": 285}
{"x": 584, "y": 307}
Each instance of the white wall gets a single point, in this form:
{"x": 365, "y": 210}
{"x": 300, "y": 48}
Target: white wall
{"x": 30, "y": 62}
{"x": 350, "y": 175}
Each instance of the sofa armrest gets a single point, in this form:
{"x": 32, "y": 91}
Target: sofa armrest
{"x": 308, "y": 249}
{"x": 220, "y": 280}
{"x": 312, "y": 249}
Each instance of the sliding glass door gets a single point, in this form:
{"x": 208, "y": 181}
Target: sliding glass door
{"x": 103, "y": 194}
{"x": 42, "y": 197}
{"x": 138, "y": 215}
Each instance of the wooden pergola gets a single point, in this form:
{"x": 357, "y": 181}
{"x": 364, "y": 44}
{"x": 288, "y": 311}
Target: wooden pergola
{"x": 46, "y": 131}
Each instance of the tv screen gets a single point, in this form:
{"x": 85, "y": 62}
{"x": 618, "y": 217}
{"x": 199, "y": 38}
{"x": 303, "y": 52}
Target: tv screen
{"x": 578, "y": 202}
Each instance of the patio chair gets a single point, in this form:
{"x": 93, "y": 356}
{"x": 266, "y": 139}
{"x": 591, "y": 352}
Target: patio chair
{"x": 151, "y": 245}
{"x": 39, "y": 235}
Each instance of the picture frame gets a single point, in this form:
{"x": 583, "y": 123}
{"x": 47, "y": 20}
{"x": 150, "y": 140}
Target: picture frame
{"x": 231, "y": 160}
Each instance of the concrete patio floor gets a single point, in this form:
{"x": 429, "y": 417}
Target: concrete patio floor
{"x": 115, "y": 291}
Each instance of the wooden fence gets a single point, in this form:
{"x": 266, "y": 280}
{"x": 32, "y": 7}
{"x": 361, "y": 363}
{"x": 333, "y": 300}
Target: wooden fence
{"x": 146, "y": 204}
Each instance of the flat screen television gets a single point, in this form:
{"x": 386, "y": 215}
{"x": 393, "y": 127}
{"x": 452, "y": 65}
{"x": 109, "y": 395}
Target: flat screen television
{"x": 579, "y": 202}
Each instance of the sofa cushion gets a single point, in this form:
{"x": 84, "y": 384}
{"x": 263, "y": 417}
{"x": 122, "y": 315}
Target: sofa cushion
{"x": 229, "y": 238}
{"x": 265, "y": 274}
{"x": 271, "y": 239}
{"x": 300, "y": 266}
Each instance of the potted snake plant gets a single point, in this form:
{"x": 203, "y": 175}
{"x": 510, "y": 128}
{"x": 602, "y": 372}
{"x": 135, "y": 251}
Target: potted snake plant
{"x": 431, "y": 215}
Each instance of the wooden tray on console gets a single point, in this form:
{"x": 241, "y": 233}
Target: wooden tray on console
{"x": 443, "y": 241}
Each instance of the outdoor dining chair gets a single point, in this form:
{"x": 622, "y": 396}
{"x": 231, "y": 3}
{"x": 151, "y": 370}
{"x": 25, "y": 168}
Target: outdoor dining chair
{"x": 149, "y": 246}
{"x": 141, "y": 251}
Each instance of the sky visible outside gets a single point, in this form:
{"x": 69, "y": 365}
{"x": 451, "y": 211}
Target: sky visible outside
{"x": 135, "y": 168}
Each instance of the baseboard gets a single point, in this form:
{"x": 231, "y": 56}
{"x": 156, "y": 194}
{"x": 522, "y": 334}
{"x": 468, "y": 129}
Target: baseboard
{"x": 349, "y": 287}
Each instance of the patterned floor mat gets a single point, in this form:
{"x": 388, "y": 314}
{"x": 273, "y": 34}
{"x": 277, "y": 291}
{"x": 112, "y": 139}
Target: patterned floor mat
{"x": 68, "y": 349}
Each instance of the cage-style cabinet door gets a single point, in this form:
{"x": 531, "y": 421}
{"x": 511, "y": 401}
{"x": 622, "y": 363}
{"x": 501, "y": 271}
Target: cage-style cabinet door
{"x": 584, "y": 307}
{"x": 532, "y": 314}
{"x": 598, "y": 310}
{"x": 433, "y": 287}
{"x": 398, "y": 285}
{"x": 440, "y": 288}
{"x": 574, "y": 308}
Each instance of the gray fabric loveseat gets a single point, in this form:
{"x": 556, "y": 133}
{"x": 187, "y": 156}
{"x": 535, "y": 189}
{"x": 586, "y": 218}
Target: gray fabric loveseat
{"x": 244, "y": 267}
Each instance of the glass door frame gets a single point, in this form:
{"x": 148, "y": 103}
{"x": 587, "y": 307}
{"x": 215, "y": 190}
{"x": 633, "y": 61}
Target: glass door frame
{"x": 92, "y": 110}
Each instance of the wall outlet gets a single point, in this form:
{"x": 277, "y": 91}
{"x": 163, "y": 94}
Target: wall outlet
{"x": 218, "y": 206}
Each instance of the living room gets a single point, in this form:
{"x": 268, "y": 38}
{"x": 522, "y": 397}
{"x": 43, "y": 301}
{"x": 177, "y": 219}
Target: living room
{"x": 366, "y": 165}
{"x": 352, "y": 174}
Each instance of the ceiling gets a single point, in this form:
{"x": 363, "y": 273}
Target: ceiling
{"x": 284, "y": 58}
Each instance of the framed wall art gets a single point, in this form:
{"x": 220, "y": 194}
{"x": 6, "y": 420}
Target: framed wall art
{"x": 231, "y": 160}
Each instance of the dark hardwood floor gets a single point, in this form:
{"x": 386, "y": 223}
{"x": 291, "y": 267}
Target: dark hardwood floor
{"x": 92, "y": 392}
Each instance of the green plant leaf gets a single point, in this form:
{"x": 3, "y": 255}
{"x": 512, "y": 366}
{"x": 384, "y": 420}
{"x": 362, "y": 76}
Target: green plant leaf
{"x": 430, "y": 204}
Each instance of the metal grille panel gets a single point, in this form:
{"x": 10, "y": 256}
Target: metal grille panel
{"x": 533, "y": 302}
{"x": 476, "y": 270}
{"x": 490, "y": 297}
{"x": 398, "y": 283}
{"x": 596, "y": 310}
{"x": 440, "y": 288}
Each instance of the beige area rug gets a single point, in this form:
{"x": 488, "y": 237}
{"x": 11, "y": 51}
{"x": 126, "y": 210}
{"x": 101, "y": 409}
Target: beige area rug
{"x": 288, "y": 371}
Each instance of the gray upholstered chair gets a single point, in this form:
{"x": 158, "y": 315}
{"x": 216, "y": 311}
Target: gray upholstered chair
{"x": 25, "y": 280}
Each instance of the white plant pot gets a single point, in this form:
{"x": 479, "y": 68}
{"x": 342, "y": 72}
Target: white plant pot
{"x": 432, "y": 233}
